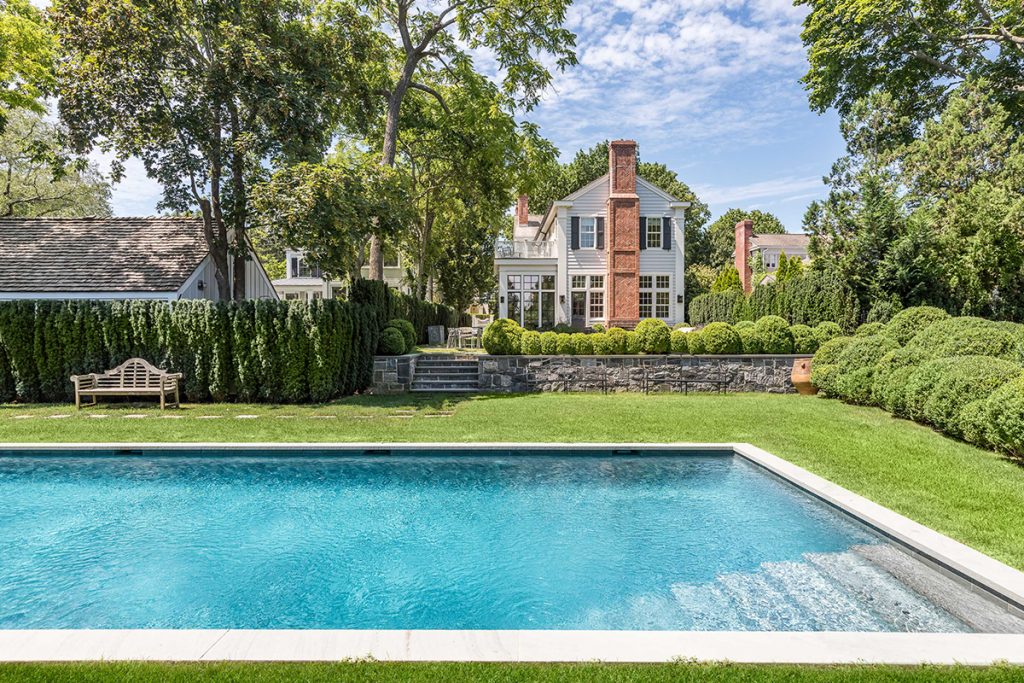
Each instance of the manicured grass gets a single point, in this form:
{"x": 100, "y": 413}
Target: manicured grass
{"x": 493, "y": 673}
{"x": 973, "y": 495}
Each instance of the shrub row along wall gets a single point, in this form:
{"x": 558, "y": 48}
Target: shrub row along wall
{"x": 259, "y": 351}
{"x": 964, "y": 376}
{"x": 388, "y": 304}
{"x": 809, "y": 300}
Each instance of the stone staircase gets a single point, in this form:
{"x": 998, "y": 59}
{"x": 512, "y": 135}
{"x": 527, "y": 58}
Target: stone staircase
{"x": 864, "y": 589}
{"x": 446, "y": 373}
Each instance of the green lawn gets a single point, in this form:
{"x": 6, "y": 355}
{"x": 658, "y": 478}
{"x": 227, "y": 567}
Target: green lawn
{"x": 972, "y": 495}
{"x": 492, "y": 673}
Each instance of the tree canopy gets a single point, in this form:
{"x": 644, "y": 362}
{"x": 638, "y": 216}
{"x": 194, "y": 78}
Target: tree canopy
{"x": 37, "y": 177}
{"x": 26, "y": 58}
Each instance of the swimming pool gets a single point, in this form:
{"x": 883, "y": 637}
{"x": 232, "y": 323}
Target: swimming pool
{"x": 494, "y": 539}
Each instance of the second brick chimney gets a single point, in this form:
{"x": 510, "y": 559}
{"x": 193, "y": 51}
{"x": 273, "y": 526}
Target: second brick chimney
{"x": 623, "y": 243}
{"x": 744, "y": 234}
{"x": 523, "y": 210}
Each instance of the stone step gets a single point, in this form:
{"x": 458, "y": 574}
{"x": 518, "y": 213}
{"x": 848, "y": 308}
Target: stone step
{"x": 826, "y": 603}
{"x": 443, "y": 390}
{"x": 460, "y": 372}
{"x": 446, "y": 381}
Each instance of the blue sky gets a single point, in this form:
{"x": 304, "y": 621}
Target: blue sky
{"x": 708, "y": 87}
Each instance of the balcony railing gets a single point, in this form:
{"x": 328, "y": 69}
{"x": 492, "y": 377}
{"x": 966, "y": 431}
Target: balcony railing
{"x": 523, "y": 249}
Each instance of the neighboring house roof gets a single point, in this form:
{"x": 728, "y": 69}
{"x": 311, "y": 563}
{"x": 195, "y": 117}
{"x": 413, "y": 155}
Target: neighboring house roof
{"x": 787, "y": 240}
{"x": 99, "y": 254}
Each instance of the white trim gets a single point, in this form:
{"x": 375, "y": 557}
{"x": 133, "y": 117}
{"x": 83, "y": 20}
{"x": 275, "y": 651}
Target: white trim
{"x": 658, "y": 191}
{"x": 552, "y": 645}
{"x": 586, "y": 188}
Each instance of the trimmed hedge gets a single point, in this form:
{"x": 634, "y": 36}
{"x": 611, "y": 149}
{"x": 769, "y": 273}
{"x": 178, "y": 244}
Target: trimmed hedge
{"x": 258, "y": 351}
{"x": 721, "y": 338}
{"x": 389, "y": 303}
{"x": 391, "y": 343}
{"x": 804, "y": 340}
{"x": 548, "y": 343}
{"x": 530, "y": 343}
{"x": 654, "y": 335}
{"x": 964, "y": 376}
{"x": 677, "y": 341}
{"x": 773, "y": 335}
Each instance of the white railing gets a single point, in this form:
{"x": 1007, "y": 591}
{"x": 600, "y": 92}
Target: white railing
{"x": 523, "y": 249}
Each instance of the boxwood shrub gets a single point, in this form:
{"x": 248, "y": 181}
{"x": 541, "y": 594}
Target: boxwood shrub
{"x": 548, "y": 343}
{"x": 773, "y": 335}
{"x": 678, "y": 342}
{"x": 908, "y": 322}
{"x": 749, "y": 340}
{"x": 530, "y": 343}
{"x": 965, "y": 379}
{"x": 695, "y": 343}
{"x": 617, "y": 340}
{"x": 565, "y": 345}
{"x": 1005, "y": 417}
{"x": 407, "y": 330}
{"x": 804, "y": 340}
{"x": 827, "y": 331}
{"x": 868, "y": 329}
{"x": 391, "y": 343}
{"x": 654, "y": 335}
{"x": 503, "y": 337}
{"x": 966, "y": 337}
{"x": 582, "y": 345}
{"x": 633, "y": 344}
{"x": 721, "y": 338}
{"x": 828, "y": 353}
{"x": 857, "y": 366}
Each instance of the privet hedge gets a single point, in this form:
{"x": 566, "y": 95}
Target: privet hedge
{"x": 809, "y": 300}
{"x": 960, "y": 375}
{"x": 258, "y": 351}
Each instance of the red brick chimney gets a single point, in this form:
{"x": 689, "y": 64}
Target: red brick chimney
{"x": 523, "y": 210}
{"x": 623, "y": 238}
{"x": 744, "y": 233}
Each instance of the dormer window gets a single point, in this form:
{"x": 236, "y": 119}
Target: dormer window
{"x": 300, "y": 268}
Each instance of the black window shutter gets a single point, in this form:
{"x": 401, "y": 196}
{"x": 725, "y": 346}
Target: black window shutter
{"x": 643, "y": 232}
{"x": 600, "y": 232}
{"x": 666, "y": 233}
{"x": 575, "y": 223}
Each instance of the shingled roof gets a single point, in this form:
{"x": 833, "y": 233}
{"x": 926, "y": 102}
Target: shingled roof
{"x": 99, "y": 254}
{"x": 788, "y": 239}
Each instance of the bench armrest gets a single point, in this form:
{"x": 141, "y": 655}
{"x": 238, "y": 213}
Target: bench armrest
{"x": 84, "y": 381}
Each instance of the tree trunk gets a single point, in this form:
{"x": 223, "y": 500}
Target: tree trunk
{"x": 239, "y": 213}
{"x": 217, "y": 237}
{"x": 219, "y": 256}
{"x": 421, "y": 265}
{"x": 387, "y": 157}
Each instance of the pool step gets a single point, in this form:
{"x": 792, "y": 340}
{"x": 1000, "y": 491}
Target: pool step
{"x": 446, "y": 374}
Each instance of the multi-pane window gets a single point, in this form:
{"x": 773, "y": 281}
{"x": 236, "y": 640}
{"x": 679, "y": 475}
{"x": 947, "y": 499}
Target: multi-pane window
{"x": 654, "y": 296}
{"x": 531, "y": 299}
{"x": 588, "y": 297}
{"x": 300, "y": 268}
{"x": 588, "y": 233}
{"x": 654, "y": 232}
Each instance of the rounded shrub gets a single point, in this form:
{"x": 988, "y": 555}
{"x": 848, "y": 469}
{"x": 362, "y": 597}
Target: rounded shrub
{"x": 804, "y": 340}
{"x": 503, "y": 337}
{"x": 827, "y": 331}
{"x": 530, "y": 343}
{"x": 920, "y": 384}
{"x": 908, "y": 322}
{"x": 828, "y": 353}
{"x": 773, "y": 335}
{"x": 889, "y": 387}
{"x": 826, "y": 378}
{"x": 678, "y": 342}
{"x": 966, "y": 379}
{"x": 864, "y": 352}
{"x": 616, "y": 340}
{"x": 582, "y": 345}
{"x": 965, "y": 337}
{"x": 868, "y": 329}
{"x": 743, "y": 325}
{"x": 695, "y": 342}
{"x": 597, "y": 327}
{"x": 548, "y": 343}
{"x": 564, "y": 345}
{"x": 721, "y": 338}
{"x": 391, "y": 342}
{"x": 749, "y": 340}
{"x": 1005, "y": 418}
{"x": 407, "y": 330}
{"x": 973, "y": 423}
{"x": 601, "y": 343}
{"x": 883, "y": 310}
{"x": 654, "y": 334}
{"x": 633, "y": 345}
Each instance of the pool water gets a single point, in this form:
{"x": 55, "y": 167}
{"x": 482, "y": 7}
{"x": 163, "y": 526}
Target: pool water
{"x": 435, "y": 541}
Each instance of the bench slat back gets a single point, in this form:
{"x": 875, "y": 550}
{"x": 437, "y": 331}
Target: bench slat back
{"x": 132, "y": 374}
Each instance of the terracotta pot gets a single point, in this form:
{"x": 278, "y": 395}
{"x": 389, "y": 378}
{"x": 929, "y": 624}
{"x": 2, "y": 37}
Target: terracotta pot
{"x": 802, "y": 377}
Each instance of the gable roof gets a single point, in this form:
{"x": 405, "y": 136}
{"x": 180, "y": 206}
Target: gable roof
{"x": 783, "y": 240}
{"x": 99, "y": 254}
{"x": 604, "y": 179}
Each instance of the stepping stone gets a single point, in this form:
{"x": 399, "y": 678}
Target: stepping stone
{"x": 246, "y": 417}
{"x": 57, "y": 417}
{"x": 172, "y": 417}
{"x": 134, "y": 417}
{"x": 22, "y": 417}
{"x": 323, "y": 417}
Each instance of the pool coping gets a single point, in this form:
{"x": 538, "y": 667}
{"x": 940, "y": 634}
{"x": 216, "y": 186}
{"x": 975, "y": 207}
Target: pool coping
{"x": 1001, "y": 581}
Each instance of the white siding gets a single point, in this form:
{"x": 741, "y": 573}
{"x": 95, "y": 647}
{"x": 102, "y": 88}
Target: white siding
{"x": 257, "y": 284}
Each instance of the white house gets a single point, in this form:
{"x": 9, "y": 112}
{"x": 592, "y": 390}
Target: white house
{"x": 113, "y": 258}
{"x": 611, "y": 252}
{"x": 305, "y": 282}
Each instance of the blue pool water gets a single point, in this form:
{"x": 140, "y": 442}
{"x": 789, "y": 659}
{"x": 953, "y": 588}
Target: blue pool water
{"x": 432, "y": 541}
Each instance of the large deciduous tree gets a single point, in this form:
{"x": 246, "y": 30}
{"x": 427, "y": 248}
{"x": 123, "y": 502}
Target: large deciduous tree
{"x": 26, "y": 58}
{"x": 38, "y": 178}
{"x": 919, "y": 51}
{"x": 208, "y": 94}
{"x": 432, "y": 36}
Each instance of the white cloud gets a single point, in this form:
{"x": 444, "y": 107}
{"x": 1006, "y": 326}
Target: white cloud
{"x": 782, "y": 189}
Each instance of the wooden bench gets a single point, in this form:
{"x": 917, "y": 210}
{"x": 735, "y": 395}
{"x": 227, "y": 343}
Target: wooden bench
{"x": 134, "y": 377}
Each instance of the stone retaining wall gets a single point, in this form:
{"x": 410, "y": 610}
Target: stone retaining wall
{"x": 511, "y": 374}
{"x": 770, "y": 374}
